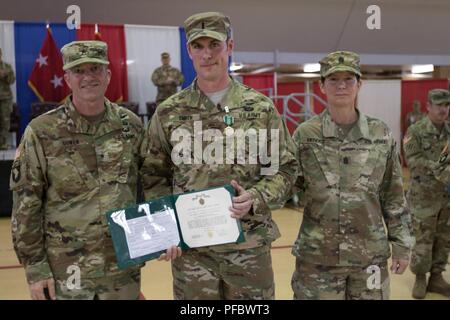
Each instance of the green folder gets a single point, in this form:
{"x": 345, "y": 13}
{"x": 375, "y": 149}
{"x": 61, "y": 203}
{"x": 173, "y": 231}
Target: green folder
{"x": 129, "y": 225}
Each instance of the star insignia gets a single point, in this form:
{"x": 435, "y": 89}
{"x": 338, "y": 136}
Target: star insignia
{"x": 42, "y": 60}
{"x": 56, "y": 81}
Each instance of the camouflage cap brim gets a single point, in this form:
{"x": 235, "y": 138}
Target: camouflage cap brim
{"x": 206, "y": 33}
{"x": 340, "y": 69}
{"x": 442, "y": 100}
{"x": 82, "y": 61}
{"x": 439, "y": 96}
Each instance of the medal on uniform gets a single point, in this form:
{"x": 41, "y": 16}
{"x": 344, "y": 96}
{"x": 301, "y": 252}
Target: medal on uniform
{"x": 228, "y": 120}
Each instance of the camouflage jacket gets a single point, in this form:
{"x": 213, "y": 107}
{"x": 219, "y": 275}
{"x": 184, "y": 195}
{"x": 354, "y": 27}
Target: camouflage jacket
{"x": 191, "y": 112}
{"x": 67, "y": 174}
{"x": 7, "y": 78}
{"x": 424, "y": 147}
{"x": 442, "y": 169}
{"x": 353, "y": 187}
{"x": 159, "y": 78}
{"x": 413, "y": 117}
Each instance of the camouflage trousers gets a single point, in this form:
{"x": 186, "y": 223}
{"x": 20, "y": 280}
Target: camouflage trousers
{"x": 5, "y": 118}
{"x": 125, "y": 286}
{"x": 430, "y": 253}
{"x": 317, "y": 282}
{"x": 242, "y": 274}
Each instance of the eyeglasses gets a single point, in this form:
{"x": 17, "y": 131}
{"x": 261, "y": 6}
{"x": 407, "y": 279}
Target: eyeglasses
{"x": 349, "y": 82}
{"x": 95, "y": 70}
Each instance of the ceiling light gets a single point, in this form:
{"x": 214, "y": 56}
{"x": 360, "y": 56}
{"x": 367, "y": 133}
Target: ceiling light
{"x": 311, "y": 67}
{"x": 236, "y": 66}
{"x": 422, "y": 68}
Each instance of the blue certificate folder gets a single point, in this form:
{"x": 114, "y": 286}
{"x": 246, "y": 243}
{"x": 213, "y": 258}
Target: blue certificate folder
{"x": 119, "y": 229}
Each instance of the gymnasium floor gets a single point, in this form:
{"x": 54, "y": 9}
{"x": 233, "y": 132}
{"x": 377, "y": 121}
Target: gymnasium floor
{"x": 157, "y": 278}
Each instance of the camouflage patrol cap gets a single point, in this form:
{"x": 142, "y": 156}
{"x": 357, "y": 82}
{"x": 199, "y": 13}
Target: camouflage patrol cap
{"x": 78, "y": 52}
{"x": 207, "y": 24}
{"x": 165, "y": 55}
{"x": 439, "y": 96}
{"x": 340, "y": 61}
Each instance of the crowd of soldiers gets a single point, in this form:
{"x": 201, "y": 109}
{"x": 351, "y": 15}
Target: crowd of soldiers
{"x": 84, "y": 158}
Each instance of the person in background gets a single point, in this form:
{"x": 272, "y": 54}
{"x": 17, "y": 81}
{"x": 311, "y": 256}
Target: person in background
{"x": 426, "y": 148}
{"x": 7, "y": 78}
{"x": 166, "y": 78}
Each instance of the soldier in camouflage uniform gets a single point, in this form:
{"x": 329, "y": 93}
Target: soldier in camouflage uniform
{"x": 426, "y": 151}
{"x": 166, "y": 78}
{"x": 7, "y": 78}
{"x": 215, "y": 101}
{"x": 73, "y": 165}
{"x": 352, "y": 181}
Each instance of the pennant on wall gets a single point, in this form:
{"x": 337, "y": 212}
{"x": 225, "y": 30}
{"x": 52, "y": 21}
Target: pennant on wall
{"x": 114, "y": 36}
{"x": 47, "y": 77}
{"x": 28, "y": 39}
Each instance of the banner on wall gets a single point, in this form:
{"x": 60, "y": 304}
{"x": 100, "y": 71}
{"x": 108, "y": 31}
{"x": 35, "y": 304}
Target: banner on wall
{"x": 28, "y": 40}
{"x": 134, "y": 51}
{"x": 47, "y": 77}
{"x": 114, "y": 36}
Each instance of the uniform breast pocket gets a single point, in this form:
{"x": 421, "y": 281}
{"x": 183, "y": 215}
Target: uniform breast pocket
{"x": 181, "y": 140}
{"x": 181, "y": 129}
{"x": 313, "y": 161}
{"x": 309, "y": 162}
{"x": 246, "y": 121}
{"x": 259, "y": 145}
{"x": 64, "y": 177}
{"x": 117, "y": 159}
{"x": 372, "y": 172}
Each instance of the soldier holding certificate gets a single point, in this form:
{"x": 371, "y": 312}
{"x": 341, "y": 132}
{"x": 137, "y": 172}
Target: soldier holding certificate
{"x": 216, "y": 132}
{"x": 73, "y": 165}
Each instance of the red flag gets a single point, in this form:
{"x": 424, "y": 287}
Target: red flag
{"x": 114, "y": 36}
{"x": 47, "y": 77}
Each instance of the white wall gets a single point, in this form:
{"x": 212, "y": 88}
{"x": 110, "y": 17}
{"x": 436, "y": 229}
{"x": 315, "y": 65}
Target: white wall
{"x": 382, "y": 99}
{"x": 144, "y": 46}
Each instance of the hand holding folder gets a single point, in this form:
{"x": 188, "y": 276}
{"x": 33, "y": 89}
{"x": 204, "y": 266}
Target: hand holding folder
{"x": 189, "y": 220}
